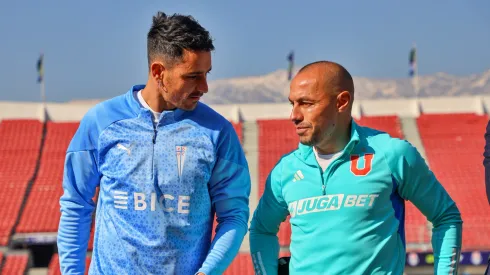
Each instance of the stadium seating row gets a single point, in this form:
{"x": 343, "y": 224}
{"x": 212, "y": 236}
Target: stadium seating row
{"x": 41, "y": 213}
{"x": 454, "y": 147}
{"x": 14, "y": 264}
{"x": 20, "y": 143}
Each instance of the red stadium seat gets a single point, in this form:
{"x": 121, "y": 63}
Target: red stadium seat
{"x": 42, "y": 211}
{"x": 15, "y": 264}
{"x": 241, "y": 265}
{"x": 238, "y": 126}
{"x": 454, "y": 146}
{"x": 20, "y": 142}
{"x": 388, "y": 124}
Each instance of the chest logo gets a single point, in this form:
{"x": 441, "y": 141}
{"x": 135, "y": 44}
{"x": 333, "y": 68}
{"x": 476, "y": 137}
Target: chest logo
{"x": 180, "y": 152}
{"x": 367, "y": 160}
{"x": 331, "y": 202}
{"x": 298, "y": 176}
{"x": 124, "y": 148}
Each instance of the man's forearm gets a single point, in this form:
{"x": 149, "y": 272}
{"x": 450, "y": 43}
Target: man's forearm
{"x": 446, "y": 242}
{"x": 225, "y": 246}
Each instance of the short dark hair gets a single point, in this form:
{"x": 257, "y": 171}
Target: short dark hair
{"x": 170, "y": 35}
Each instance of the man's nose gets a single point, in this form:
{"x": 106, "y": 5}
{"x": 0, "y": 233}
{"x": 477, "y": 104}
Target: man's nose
{"x": 296, "y": 115}
{"x": 202, "y": 86}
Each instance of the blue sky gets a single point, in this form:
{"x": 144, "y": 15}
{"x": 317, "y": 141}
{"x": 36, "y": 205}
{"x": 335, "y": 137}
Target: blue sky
{"x": 97, "y": 49}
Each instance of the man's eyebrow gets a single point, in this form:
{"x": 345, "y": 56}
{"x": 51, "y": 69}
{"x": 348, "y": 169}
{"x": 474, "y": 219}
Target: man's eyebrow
{"x": 198, "y": 72}
{"x": 303, "y": 98}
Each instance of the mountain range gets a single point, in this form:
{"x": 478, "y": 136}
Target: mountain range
{"x": 274, "y": 87}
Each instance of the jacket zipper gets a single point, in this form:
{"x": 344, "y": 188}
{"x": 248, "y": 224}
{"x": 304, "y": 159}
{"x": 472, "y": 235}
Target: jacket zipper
{"x": 323, "y": 181}
{"x": 154, "y": 133}
{"x": 330, "y": 170}
{"x": 154, "y": 140}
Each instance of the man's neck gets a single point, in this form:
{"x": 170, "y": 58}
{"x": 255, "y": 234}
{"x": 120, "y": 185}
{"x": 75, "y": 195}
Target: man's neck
{"x": 155, "y": 100}
{"x": 338, "y": 141}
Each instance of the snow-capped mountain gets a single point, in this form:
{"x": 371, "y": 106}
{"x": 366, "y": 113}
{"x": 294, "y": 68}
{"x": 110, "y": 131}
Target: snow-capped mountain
{"x": 274, "y": 87}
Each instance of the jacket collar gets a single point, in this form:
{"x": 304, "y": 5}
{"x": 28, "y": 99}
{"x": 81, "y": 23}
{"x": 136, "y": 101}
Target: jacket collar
{"x": 137, "y": 108}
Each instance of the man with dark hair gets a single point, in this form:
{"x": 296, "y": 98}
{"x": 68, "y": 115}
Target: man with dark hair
{"x": 344, "y": 189}
{"x": 165, "y": 163}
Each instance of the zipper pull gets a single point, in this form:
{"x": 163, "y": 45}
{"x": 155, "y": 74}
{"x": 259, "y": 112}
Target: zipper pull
{"x": 323, "y": 189}
{"x": 154, "y": 133}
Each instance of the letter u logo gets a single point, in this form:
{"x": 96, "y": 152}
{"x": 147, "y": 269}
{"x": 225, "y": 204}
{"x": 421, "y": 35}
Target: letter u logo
{"x": 354, "y": 163}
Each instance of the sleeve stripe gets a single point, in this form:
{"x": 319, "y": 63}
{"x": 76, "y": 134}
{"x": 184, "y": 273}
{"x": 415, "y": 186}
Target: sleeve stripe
{"x": 453, "y": 265}
{"x": 258, "y": 264}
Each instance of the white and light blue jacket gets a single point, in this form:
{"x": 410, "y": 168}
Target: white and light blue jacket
{"x": 159, "y": 188}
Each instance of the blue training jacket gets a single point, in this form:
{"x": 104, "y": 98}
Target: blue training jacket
{"x": 350, "y": 218}
{"x": 159, "y": 187}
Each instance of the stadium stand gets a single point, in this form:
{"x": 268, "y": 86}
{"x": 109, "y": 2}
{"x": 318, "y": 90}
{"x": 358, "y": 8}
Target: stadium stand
{"x": 276, "y": 138}
{"x": 20, "y": 142}
{"x": 454, "y": 144}
{"x": 15, "y": 264}
{"x": 241, "y": 265}
{"x": 42, "y": 213}
{"x": 388, "y": 124}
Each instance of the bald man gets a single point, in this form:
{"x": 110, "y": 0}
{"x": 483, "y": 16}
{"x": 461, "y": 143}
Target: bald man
{"x": 344, "y": 189}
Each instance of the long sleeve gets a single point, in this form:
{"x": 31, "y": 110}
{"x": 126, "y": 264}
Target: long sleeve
{"x": 418, "y": 184}
{"x": 271, "y": 211}
{"x": 230, "y": 191}
{"x": 80, "y": 179}
{"x": 486, "y": 160}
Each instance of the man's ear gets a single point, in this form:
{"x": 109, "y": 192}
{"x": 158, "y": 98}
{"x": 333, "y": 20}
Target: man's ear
{"x": 344, "y": 99}
{"x": 158, "y": 73}
{"x": 157, "y": 70}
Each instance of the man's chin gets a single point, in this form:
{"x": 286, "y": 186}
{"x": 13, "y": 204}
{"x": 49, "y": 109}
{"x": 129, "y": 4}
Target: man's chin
{"x": 188, "y": 106}
{"x": 306, "y": 141}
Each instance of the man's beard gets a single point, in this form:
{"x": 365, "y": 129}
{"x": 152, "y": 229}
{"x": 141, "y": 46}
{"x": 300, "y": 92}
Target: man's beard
{"x": 309, "y": 140}
{"x": 317, "y": 137}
